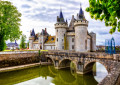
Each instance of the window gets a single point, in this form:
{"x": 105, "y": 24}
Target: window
{"x": 86, "y": 44}
{"x": 62, "y": 47}
{"x": 72, "y": 39}
{"x": 72, "y": 46}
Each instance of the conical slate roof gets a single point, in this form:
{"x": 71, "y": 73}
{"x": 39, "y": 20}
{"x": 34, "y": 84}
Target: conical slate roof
{"x": 33, "y": 33}
{"x": 81, "y": 14}
{"x": 61, "y": 17}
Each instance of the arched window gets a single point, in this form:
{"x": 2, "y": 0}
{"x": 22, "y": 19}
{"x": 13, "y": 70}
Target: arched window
{"x": 86, "y": 44}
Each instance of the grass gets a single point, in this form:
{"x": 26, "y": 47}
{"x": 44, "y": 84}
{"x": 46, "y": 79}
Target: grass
{"x": 22, "y": 50}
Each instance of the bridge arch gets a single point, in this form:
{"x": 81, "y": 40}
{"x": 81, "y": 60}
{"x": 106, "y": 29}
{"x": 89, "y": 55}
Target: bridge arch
{"x": 63, "y": 63}
{"x": 89, "y": 65}
{"x": 49, "y": 59}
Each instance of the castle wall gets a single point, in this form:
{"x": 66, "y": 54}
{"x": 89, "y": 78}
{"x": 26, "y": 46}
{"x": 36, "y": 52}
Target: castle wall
{"x": 60, "y": 33}
{"x": 31, "y": 39}
{"x": 93, "y": 41}
{"x": 49, "y": 47}
{"x": 81, "y": 38}
{"x": 36, "y": 46}
{"x": 71, "y": 43}
{"x": 88, "y": 45}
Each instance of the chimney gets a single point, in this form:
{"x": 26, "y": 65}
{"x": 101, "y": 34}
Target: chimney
{"x": 45, "y": 30}
{"x": 77, "y": 16}
{"x": 72, "y": 16}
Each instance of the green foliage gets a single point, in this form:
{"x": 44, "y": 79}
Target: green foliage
{"x": 107, "y": 10}
{"x": 9, "y": 22}
{"x": 28, "y": 45}
{"x": 22, "y": 42}
{"x": 72, "y": 65}
{"x": 39, "y": 53}
{"x": 2, "y": 43}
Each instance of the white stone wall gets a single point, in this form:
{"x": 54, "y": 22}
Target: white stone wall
{"x": 49, "y": 47}
{"x": 70, "y": 43}
{"x": 80, "y": 38}
{"x": 88, "y": 45}
{"x": 60, "y": 36}
{"x": 93, "y": 41}
{"x": 30, "y": 44}
{"x": 36, "y": 46}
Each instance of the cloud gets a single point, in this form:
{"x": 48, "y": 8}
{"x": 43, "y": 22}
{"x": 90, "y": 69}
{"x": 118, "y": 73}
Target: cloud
{"x": 25, "y": 6}
{"x": 39, "y": 14}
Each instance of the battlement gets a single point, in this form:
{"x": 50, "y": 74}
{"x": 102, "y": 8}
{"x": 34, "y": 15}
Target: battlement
{"x": 61, "y": 25}
{"x": 80, "y": 22}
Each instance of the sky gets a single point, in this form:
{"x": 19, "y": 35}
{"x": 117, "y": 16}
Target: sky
{"x": 40, "y": 14}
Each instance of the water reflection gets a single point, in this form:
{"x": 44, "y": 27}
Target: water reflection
{"x": 101, "y": 72}
{"x": 46, "y": 75}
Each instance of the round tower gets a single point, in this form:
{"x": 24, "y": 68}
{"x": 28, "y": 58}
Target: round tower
{"x": 31, "y": 39}
{"x": 93, "y": 44}
{"x": 60, "y": 29}
{"x": 80, "y": 26}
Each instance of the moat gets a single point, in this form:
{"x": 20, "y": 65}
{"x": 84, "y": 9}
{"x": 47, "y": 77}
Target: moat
{"x": 48, "y": 75}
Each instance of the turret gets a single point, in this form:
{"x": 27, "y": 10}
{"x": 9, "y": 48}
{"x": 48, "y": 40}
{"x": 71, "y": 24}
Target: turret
{"x": 80, "y": 25}
{"x": 93, "y": 40}
{"x": 61, "y": 28}
{"x": 31, "y": 39}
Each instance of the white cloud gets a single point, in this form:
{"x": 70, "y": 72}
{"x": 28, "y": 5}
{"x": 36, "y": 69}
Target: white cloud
{"x": 42, "y": 14}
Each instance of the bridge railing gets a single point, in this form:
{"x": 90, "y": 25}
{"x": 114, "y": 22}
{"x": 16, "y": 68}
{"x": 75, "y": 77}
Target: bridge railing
{"x": 83, "y": 55}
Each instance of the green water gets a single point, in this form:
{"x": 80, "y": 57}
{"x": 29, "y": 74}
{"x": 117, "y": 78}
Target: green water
{"x": 45, "y": 75}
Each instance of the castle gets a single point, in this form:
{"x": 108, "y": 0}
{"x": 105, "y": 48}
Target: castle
{"x": 74, "y": 37}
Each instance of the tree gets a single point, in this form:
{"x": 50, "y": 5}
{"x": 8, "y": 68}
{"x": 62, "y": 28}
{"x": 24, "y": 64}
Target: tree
{"x": 22, "y": 42}
{"x": 107, "y": 10}
{"x": 27, "y": 44}
{"x": 9, "y": 23}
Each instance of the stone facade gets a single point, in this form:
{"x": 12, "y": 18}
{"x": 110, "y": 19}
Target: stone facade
{"x": 74, "y": 37}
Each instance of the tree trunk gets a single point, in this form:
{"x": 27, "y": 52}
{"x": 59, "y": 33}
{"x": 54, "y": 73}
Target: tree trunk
{"x": 2, "y": 42}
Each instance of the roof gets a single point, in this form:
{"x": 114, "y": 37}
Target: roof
{"x": 61, "y": 17}
{"x": 33, "y": 33}
{"x": 50, "y": 39}
{"x": 44, "y": 32}
{"x": 12, "y": 44}
{"x": 81, "y": 14}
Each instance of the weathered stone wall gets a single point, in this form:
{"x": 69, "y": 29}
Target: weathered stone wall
{"x": 93, "y": 47}
{"x": 70, "y": 43}
{"x": 80, "y": 38}
{"x": 17, "y": 58}
{"x": 60, "y": 33}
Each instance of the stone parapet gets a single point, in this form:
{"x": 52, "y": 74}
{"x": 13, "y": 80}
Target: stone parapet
{"x": 80, "y": 23}
{"x": 18, "y": 58}
{"x": 61, "y": 25}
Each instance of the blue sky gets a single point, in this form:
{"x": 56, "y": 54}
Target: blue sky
{"x": 40, "y": 14}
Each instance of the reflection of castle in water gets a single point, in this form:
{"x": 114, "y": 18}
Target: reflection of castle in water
{"x": 65, "y": 77}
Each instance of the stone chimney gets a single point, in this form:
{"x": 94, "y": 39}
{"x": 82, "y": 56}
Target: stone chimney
{"x": 72, "y": 16}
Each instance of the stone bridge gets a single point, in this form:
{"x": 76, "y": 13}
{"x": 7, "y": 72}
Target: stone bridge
{"x": 84, "y": 63}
